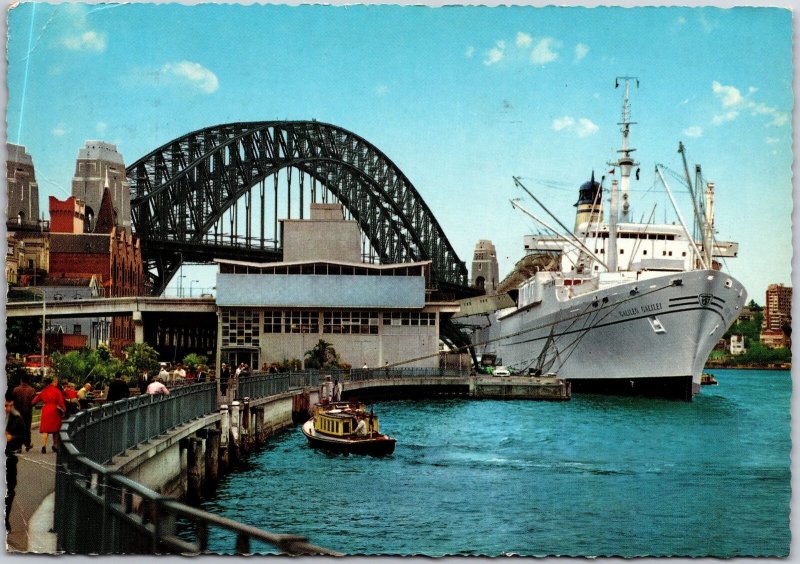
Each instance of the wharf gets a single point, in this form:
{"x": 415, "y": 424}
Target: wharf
{"x": 522, "y": 387}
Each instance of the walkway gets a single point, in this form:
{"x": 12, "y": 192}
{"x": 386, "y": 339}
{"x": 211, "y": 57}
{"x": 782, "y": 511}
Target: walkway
{"x": 36, "y": 481}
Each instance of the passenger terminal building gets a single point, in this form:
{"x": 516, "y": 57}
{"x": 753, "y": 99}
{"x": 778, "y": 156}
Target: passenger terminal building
{"x": 373, "y": 314}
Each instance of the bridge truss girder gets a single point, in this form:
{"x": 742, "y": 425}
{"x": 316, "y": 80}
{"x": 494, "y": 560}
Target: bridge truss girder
{"x": 182, "y": 191}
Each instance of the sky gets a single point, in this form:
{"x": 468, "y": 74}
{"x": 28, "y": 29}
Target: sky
{"x": 459, "y": 98}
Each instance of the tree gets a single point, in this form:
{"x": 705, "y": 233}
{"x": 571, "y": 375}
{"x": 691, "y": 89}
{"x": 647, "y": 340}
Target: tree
{"x": 754, "y": 307}
{"x": 193, "y": 360}
{"x": 323, "y": 356}
{"x": 140, "y": 358}
{"x": 21, "y": 334}
{"x": 87, "y": 365}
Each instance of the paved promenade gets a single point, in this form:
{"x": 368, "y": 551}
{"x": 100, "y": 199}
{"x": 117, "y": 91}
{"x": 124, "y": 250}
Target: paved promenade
{"x": 32, "y": 512}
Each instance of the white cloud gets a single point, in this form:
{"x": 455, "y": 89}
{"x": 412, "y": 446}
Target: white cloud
{"x": 524, "y": 40}
{"x": 86, "y": 41}
{"x": 581, "y": 127}
{"x": 719, "y": 119}
{"x": 101, "y": 127}
{"x": 693, "y": 131}
{"x": 729, "y": 95}
{"x": 581, "y": 51}
{"x": 196, "y": 74}
{"x": 470, "y": 52}
{"x": 544, "y": 52}
{"x": 563, "y": 123}
{"x": 585, "y": 128}
{"x": 381, "y": 89}
{"x": 779, "y": 119}
{"x": 495, "y": 55}
{"x": 59, "y": 130}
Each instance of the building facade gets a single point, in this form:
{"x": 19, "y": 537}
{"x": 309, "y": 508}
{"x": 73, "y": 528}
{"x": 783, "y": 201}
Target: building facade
{"x": 23, "y": 191}
{"x": 778, "y": 308}
{"x": 371, "y": 314}
{"x": 485, "y": 270}
{"x": 737, "y": 344}
{"x": 108, "y": 262}
{"x": 99, "y": 167}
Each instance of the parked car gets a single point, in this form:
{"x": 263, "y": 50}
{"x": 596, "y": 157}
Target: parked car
{"x": 501, "y": 371}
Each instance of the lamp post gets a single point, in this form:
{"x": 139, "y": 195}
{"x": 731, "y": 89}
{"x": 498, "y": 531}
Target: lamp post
{"x": 180, "y": 285}
{"x": 44, "y": 319}
{"x": 190, "y": 286}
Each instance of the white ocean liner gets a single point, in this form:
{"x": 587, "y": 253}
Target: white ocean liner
{"x": 624, "y": 308}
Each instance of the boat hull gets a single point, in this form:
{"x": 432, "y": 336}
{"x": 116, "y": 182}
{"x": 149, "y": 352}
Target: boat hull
{"x": 381, "y": 445}
{"x": 649, "y": 336}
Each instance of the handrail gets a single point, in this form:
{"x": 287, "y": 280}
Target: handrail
{"x": 123, "y": 516}
{"x": 99, "y": 511}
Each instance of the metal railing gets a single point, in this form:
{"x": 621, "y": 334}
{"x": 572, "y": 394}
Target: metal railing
{"x": 106, "y": 431}
{"x": 98, "y": 511}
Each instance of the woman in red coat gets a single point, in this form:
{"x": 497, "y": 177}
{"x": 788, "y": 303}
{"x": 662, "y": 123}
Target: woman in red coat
{"x": 52, "y": 412}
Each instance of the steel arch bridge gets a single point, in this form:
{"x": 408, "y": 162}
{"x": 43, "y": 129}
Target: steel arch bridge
{"x": 220, "y": 191}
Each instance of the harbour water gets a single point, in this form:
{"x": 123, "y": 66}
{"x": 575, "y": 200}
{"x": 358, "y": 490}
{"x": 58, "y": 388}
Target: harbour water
{"x": 597, "y": 475}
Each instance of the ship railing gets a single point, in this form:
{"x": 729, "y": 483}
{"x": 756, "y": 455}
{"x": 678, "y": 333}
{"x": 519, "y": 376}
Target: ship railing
{"x": 100, "y": 511}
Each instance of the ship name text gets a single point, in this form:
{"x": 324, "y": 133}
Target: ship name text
{"x": 647, "y": 308}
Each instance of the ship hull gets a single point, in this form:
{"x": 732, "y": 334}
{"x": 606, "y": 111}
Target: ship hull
{"x": 649, "y": 336}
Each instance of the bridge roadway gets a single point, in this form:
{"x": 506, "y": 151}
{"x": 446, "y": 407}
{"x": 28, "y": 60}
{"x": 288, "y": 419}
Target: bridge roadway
{"x": 109, "y": 307}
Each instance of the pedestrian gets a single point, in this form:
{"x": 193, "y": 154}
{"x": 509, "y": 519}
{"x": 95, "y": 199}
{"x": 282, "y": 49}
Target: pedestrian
{"x": 118, "y": 389}
{"x": 23, "y": 395}
{"x": 157, "y": 387}
{"x": 224, "y": 376}
{"x": 142, "y": 382}
{"x": 239, "y": 369}
{"x": 52, "y": 412}
{"x": 71, "y": 399}
{"x": 85, "y": 395}
{"x": 15, "y": 439}
{"x": 337, "y": 390}
{"x": 163, "y": 374}
{"x": 179, "y": 374}
{"x": 202, "y": 375}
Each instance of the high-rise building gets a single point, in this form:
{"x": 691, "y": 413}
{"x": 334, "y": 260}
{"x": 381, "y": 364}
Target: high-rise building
{"x": 100, "y": 166}
{"x": 23, "y": 191}
{"x": 778, "y": 308}
{"x": 485, "y": 270}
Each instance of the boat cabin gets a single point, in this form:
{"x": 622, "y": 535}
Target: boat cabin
{"x": 341, "y": 419}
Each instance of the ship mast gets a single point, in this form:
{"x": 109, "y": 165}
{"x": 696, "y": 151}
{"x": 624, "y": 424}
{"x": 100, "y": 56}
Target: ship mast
{"x": 625, "y": 161}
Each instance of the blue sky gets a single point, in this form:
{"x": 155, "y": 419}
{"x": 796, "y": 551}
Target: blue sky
{"x": 460, "y": 98}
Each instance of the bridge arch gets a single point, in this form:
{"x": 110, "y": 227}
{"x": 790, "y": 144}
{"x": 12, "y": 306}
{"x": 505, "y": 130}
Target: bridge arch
{"x": 206, "y": 194}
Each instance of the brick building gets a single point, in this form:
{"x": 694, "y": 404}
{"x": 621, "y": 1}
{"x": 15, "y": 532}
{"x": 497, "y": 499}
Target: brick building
{"x": 109, "y": 254}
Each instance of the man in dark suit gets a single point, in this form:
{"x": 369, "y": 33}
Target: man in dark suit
{"x": 118, "y": 389}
